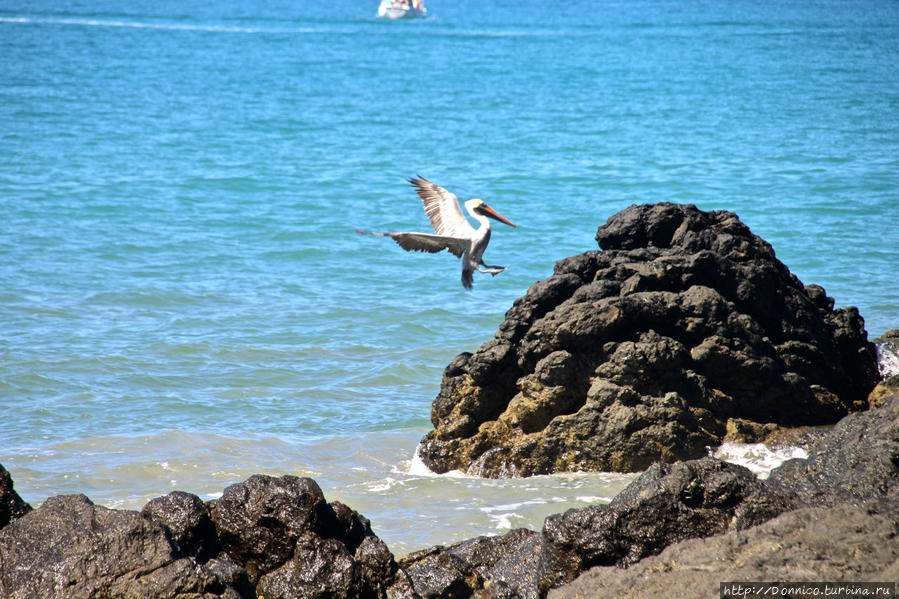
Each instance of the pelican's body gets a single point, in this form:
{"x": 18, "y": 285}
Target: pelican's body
{"x": 452, "y": 231}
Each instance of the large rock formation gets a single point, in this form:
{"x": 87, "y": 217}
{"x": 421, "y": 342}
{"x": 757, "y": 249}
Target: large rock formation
{"x": 644, "y": 350}
{"x": 846, "y": 543}
{"x": 808, "y": 521}
{"x": 272, "y": 537}
{"x": 831, "y": 516}
{"x": 844, "y": 528}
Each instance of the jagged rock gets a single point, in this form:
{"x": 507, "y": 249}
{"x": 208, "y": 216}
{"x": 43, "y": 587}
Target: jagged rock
{"x": 851, "y": 476}
{"x": 842, "y": 543}
{"x": 11, "y": 505}
{"x": 272, "y": 537}
{"x": 858, "y": 462}
{"x": 664, "y": 505}
{"x": 296, "y": 545}
{"x": 69, "y": 547}
{"x": 487, "y": 565}
{"x": 260, "y": 520}
{"x": 643, "y": 351}
{"x": 186, "y": 518}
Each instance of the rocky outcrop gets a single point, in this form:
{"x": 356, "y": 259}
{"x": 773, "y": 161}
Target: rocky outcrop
{"x": 664, "y": 505}
{"x": 11, "y": 505}
{"x": 70, "y": 547}
{"x": 272, "y": 537}
{"x": 830, "y": 516}
{"x": 846, "y": 543}
{"x": 840, "y": 509}
{"x": 850, "y": 484}
{"x": 643, "y": 351}
{"x": 858, "y": 462}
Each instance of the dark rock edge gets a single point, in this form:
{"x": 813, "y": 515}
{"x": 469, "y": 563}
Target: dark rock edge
{"x": 833, "y": 515}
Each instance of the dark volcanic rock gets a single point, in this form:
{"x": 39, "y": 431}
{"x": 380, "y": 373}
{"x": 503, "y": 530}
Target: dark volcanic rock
{"x": 844, "y": 543}
{"x": 663, "y": 505}
{"x": 71, "y": 548}
{"x": 11, "y": 505}
{"x": 271, "y": 537}
{"x": 858, "y": 462}
{"x": 260, "y": 520}
{"x": 509, "y": 566}
{"x": 666, "y": 504}
{"x": 643, "y": 351}
{"x": 852, "y": 480}
{"x": 186, "y": 518}
{"x": 296, "y": 545}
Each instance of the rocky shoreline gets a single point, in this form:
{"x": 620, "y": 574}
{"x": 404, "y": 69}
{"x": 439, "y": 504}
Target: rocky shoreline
{"x": 685, "y": 331}
{"x": 833, "y": 516}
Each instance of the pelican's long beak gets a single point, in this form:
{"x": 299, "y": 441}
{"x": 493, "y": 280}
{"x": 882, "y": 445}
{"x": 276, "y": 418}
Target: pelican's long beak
{"x": 496, "y": 215}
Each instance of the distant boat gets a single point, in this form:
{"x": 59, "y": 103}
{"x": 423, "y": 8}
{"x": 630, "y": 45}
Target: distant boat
{"x": 401, "y": 9}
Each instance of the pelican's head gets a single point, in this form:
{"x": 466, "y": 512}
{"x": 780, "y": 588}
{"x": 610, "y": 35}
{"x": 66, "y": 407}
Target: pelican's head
{"x": 478, "y": 207}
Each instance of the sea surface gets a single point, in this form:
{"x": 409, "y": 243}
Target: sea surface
{"x": 183, "y": 299}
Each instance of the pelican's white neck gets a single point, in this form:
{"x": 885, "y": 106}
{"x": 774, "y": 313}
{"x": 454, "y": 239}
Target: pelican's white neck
{"x": 471, "y": 206}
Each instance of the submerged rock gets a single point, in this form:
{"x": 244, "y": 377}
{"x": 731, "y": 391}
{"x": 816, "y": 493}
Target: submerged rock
{"x": 644, "y": 350}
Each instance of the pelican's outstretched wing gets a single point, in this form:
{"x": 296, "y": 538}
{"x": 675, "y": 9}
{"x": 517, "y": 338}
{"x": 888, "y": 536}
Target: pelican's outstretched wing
{"x": 425, "y": 242}
{"x": 442, "y": 208}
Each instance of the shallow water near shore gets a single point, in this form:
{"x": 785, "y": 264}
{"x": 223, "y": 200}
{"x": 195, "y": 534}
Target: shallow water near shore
{"x": 183, "y": 302}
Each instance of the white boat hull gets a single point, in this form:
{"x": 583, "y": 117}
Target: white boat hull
{"x": 391, "y": 10}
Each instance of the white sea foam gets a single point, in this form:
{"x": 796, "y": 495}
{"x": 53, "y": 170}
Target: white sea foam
{"x": 887, "y": 360}
{"x": 383, "y": 485}
{"x": 758, "y": 457}
{"x": 417, "y": 467}
{"x": 506, "y": 521}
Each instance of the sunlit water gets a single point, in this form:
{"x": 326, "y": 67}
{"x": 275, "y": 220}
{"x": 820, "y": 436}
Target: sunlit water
{"x": 183, "y": 302}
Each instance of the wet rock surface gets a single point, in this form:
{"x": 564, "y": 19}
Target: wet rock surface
{"x": 839, "y": 520}
{"x": 643, "y": 351}
{"x": 664, "y": 505}
{"x": 832, "y": 516}
{"x": 272, "y": 537}
{"x": 772, "y": 529}
{"x": 11, "y": 505}
{"x": 844, "y": 543}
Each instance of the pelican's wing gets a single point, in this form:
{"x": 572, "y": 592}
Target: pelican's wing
{"x": 425, "y": 242}
{"x": 443, "y": 210}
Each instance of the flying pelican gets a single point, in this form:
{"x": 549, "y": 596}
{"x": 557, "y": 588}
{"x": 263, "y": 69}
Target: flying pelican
{"x": 453, "y": 231}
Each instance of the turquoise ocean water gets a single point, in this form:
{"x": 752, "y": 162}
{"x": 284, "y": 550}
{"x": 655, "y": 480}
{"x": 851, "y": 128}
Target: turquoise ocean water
{"x": 183, "y": 301}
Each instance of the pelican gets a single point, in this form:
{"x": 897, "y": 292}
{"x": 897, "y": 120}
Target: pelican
{"x": 453, "y": 231}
